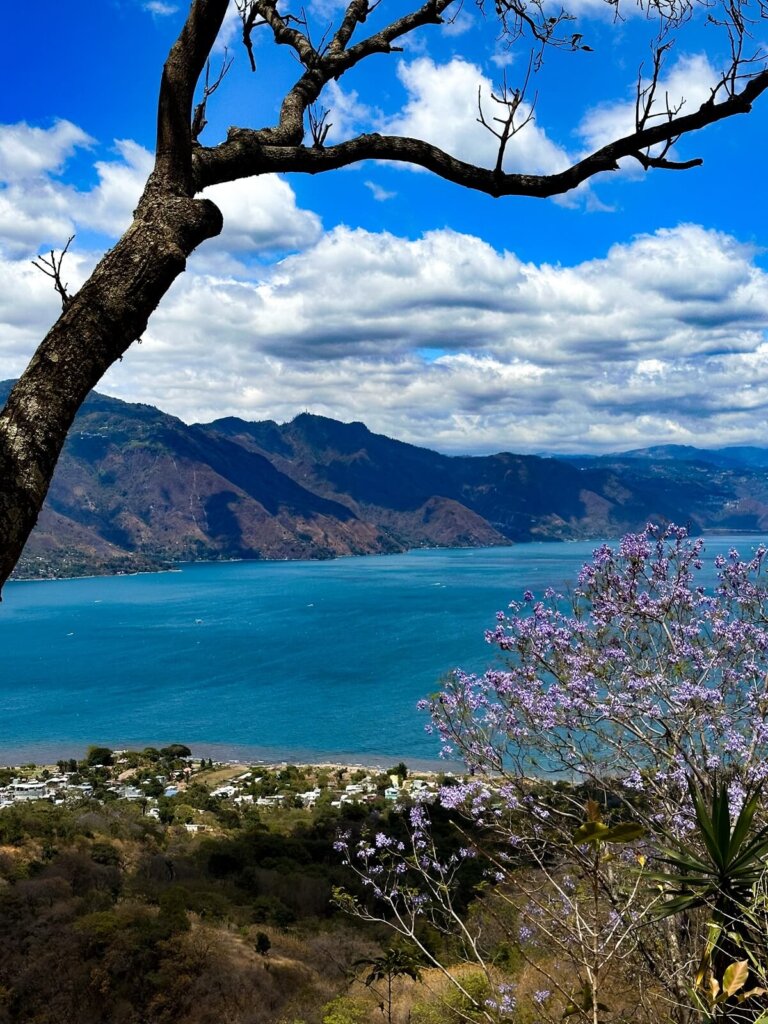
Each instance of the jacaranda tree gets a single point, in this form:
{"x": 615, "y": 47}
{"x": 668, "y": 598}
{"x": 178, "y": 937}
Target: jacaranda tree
{"x": 614, "y": 717}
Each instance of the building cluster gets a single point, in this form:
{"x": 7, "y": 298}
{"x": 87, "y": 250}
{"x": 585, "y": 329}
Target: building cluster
{"x": 69, "y": 787}
{"x": 57, "y": 788}
{"x": 263, "y": 788}
{"x": 364, "y": 791}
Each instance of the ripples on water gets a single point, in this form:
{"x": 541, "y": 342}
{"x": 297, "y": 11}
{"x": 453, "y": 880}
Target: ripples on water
{"x": 296, "y": 659}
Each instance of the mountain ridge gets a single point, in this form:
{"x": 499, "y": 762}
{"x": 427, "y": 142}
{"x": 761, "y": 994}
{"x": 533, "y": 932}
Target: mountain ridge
{"x": 136, "y": 488}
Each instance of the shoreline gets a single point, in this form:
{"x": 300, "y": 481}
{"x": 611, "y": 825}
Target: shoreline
{"x": 99, "y": 575}
{"x": 178, "y": 567}
{"x": 48, "y": 753}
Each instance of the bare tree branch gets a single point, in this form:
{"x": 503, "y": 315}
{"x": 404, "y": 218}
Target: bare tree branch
{"x": 319, "y": 125}
{"x": 356, "y": 14}
{"x": 249, "y": 17}
{"x": 51, "y": 266}
{"x": 429, "y": 13}
{"x": 646, "y": 94}
{"x": 250, "y": 152}
{"x": 511, "y": 99}
{"x": 518, "y": 16}
{"x": 321, "y": 68}
{"x": 285, "y": 35}
{"x": 198, "y": 119}
{"x": 185, "y": 63}
{"x": 666, "y": 165}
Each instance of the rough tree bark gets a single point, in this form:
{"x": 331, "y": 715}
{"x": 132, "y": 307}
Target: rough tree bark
{"x": 112, "y": 308}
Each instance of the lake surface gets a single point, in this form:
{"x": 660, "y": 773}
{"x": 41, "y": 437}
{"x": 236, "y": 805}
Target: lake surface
{"x": 297, "y": 660}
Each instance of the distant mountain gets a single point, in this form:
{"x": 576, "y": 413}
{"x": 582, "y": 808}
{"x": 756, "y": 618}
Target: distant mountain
{"x": 736, "y": 455}
{"x": 522, "y": 497}
{"x": 136, "y": 488}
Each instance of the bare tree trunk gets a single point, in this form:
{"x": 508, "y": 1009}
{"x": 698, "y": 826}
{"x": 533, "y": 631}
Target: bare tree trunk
{"x": 681, "y": 1011}
{"x": 112, "y": 308}
{"x": 99, "y": 323}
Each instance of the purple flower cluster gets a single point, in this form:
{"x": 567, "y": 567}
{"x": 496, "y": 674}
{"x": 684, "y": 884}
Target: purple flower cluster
{"x": 636, "y": 683}
{"x": 642, "y": 676}
{"x": 504, "y": 1004}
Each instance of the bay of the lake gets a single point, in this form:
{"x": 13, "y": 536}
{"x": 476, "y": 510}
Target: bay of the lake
{"x": 295, "y": 660}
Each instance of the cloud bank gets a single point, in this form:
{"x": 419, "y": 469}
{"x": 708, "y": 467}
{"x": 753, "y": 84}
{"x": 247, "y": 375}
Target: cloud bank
{"x": 441, "y": 340}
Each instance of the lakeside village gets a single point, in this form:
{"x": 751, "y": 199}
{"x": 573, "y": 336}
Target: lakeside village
{"x": 156, "y": 886}
{"x": 172, "y": 786}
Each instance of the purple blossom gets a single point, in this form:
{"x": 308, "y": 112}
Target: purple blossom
{"x": 505, "y": 1003}
{"x": 640, "y": 680}
{"x": 639, "y": 653}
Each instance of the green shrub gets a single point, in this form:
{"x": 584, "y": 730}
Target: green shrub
{"x": 452, "y": 1005}
{"x": 345, "y": 1010}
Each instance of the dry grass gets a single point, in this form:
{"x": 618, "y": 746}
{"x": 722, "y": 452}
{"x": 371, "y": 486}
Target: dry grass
{"x": 293, "y": 982}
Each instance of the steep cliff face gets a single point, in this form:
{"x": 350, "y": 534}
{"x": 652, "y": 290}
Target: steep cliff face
{"x": 521, "y": 497}
{"x": 137, "y": 488}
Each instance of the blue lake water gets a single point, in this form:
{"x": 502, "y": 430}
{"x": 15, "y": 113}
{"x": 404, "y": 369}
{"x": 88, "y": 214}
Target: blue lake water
{"x": 260, "y": 659}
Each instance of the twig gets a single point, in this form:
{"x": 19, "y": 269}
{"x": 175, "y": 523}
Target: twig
{"x": 511, "y": 99}
{"x": 319, "y": 125}
{"x": 198, "y": 119}
{"x": 249, "y": 15}
{"x": 51, "y": 267}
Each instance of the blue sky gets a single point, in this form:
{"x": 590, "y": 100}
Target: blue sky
{"x": 633, "y": 312}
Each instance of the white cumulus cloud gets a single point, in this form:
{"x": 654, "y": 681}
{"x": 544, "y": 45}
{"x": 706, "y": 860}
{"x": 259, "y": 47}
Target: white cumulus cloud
{"x": 442, "y": 108}
{"x": 27, "y": 151}
{"x": 39, "y": 210}
{"x": 445, "y": 341}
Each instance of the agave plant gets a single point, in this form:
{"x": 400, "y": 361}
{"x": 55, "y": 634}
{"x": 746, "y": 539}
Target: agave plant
{"x": 720, "y": 874}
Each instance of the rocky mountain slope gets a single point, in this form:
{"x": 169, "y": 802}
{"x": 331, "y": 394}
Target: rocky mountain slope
{"x": 137, "y": 488}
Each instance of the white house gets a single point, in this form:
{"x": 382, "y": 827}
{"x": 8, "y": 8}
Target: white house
{"x": 27, "y": 790}
{"x": 225, "y": 791}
